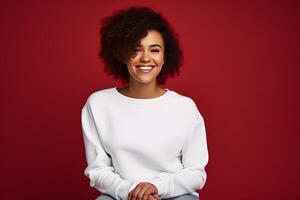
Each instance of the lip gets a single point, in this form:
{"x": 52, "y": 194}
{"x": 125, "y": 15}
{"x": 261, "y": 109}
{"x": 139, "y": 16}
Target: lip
{"x": 145, "y": 66}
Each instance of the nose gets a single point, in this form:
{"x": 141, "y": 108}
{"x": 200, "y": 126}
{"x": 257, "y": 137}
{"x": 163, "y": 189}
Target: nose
{"x": 145, "y": 57}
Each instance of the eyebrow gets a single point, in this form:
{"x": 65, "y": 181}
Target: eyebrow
{"x": 152, "y": 45}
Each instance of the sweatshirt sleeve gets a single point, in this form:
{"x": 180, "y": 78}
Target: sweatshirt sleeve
{"x": 100, "y": 170}
{"x": 192, "y": 176}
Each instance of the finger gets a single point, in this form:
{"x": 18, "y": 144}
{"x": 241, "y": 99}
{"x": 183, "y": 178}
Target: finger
{"x": 151, "y": 197}
{"x": 156, "y": 196}
{"x": 149, "y": 194}
{"x": 145, "y": 197}
{"x": 146, "y": 193}
{"x": 129, "y": 195}
{"x": 153, "y": 188}
{"x": 136, "y": 191}
{"x": 143, "y": 194}
{"x": 149, "y": 190}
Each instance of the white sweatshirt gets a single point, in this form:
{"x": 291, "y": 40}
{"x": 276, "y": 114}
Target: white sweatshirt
{"x": 160, "y": 140}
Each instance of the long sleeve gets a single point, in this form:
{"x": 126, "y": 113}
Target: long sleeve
{"x": 194, "y": 159}
{"x": 100, "y": 170}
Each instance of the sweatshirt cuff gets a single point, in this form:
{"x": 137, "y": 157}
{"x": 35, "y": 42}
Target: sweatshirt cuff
{"x": 161, "y": 186}
{"x": 122, "y": 191}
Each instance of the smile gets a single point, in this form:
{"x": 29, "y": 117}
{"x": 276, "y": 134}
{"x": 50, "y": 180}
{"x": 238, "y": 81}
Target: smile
{"x": 145, "y": 68}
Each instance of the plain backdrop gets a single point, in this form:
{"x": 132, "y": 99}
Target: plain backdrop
{"x": 241, "y": 67}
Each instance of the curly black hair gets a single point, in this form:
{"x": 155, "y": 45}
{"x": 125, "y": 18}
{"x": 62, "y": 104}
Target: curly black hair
{"x": 121, "y": 32}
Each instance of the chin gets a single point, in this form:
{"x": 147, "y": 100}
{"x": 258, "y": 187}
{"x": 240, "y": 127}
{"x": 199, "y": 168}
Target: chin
{"x": 145, "y": 81}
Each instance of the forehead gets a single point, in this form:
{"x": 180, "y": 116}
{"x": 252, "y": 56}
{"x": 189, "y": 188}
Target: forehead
{"x": 153, "y": 37}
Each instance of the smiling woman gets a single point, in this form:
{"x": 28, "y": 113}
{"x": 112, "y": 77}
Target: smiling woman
{"x": 147, "y": 61}
{"x": 143, "y": 141}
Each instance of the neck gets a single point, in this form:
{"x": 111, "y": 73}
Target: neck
{"x": 143, "y": 91}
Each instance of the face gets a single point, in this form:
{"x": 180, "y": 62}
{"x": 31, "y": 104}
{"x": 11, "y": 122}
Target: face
{"x": 147, "y": 60}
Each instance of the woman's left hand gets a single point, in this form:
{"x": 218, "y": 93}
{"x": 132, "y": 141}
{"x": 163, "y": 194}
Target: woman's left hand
{"x": 142, "y": 191}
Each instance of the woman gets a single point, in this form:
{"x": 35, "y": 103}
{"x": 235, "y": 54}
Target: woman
{"x": 142, "y": 141}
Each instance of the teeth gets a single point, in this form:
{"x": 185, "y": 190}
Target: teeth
{"x": 144, "y": 67}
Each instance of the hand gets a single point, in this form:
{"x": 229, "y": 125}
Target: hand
{"x": 144, "y": 191}
{"x": 153, "y": 197}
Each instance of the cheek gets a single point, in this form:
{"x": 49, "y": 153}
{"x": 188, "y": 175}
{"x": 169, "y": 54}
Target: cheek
{"x": 135, "y": 59}
{"x": 132, "y": 61}
{"x": 159, "y": 59}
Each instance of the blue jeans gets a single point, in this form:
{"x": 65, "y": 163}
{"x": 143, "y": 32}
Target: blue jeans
{"x": 182, "y": 197}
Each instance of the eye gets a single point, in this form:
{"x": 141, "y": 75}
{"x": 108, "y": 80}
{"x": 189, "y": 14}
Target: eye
{"x": 155, "y": 50}
{"x": 137, "y": 50}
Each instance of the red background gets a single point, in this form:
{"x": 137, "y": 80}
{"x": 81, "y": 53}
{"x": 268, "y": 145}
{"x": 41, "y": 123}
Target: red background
{"x": 241, "y": 68}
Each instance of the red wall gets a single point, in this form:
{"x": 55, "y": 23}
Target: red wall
{"x": 241, "y": 68}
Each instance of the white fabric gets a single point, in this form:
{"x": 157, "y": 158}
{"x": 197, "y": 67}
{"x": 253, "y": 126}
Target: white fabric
{"x": 160, "y": 140}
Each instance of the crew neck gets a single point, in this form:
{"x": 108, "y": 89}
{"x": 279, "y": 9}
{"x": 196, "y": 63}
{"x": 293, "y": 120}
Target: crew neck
{"x": 141, "y": 101}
